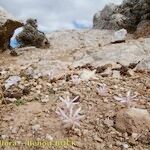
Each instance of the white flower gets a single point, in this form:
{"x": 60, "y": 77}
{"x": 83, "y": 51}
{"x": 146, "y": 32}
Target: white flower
{"x": 127, "y": 99}
{"x": 102, "y": 90}
{"x": 69, "y": 102}
{"x": 70, "y": 118}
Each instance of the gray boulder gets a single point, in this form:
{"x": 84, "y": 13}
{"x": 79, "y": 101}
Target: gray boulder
{"x": 127, "y": 15}
{"x": 8, "y": 24}
{"x": 102, "y": 18}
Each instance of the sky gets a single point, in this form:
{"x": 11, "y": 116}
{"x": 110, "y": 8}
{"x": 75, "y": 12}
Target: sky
{"x": 56, "y": 14}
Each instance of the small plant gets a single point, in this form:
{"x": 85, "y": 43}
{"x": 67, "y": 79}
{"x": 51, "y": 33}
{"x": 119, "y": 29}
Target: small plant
{"x": 126, "y": 99}
{"x": 19, "y": 102}
{"x": 102, "y": 90}
{"x": 69, "y": 113}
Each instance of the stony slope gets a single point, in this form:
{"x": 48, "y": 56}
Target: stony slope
{"x": 45, "y": 75}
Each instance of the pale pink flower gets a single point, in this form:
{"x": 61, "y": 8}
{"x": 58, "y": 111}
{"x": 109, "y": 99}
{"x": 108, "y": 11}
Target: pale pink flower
{"x": 69, "y": 102}
{"x": 126, "y": 99}
{"x": 102, "y": 90}
{"x": 71, "y": 118}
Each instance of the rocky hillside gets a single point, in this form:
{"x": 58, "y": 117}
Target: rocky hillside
{"x": 83, "y": 63}
{"x": 89, "y": 91}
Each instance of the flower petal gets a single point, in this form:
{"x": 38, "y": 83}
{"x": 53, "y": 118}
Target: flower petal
{"x": 77, "y": 112}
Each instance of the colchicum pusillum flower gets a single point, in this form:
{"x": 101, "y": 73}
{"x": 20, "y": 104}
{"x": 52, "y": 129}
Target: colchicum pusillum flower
{"x": 70, "y": 113}
{"x": 126, "y": 99}
{"x": 71, "y": 118}
{"x": 69, "y": 102}
{"x": 102, "y": 90}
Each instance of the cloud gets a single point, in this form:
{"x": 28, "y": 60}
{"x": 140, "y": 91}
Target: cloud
{"x": 56, "y": 14}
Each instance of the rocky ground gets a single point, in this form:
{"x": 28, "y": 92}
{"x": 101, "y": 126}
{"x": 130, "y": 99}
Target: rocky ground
{"x": 32, "y": 83}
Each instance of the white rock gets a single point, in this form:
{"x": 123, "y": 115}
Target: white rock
{"x": 87, "y": 75}
{"x": 12, "y": 80}
{"x": 45, "y": 99}
{"x": 3, "y": 136}
{"x": 107, "y": 72}
{"x": 116, "y": 74}
{"x": 14, "y": 130}
{"x": 11, "y": 100}
{"x": 135, "y": 135}
{"x": 120, "y": 35}
{"x": 97, "y": 138}
{"x": 131, "y": 72}
{"x": 49, "y": 137}
{"x": 3, "y": 72}
{"x": 108, "y": 122}
{"x": 36, "y": 127}
{"x": 125, "y": 146}
{"x": 29, "y": 71}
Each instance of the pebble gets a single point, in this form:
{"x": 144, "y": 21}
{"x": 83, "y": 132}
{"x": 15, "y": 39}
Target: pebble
{"x": 12, "y": 80}
{"x": 97, "y": 138}
{"x": 36, "y": 127}
{"x": 14, "y": 130}
{"x": 3, "y": 137}
{"x": 85, "y": 132}
{"x": 108, "y": 122}
{"x": 116, "y": 74}
{"x": 100, "y": 146}
{"x": 134, "y": 135}
{"x": 29, "y": 135}
{"x": 49, "y": 137}
{"x": 39, "y": 87}
{"x": 9, "y": 100}
{"x": 45, "y": 99}
{"x": 131, "y": 72}
{"x": 106, "y": 100}
{"x": 120, "y": 35}
{"x": 118, "y": 143}
{"x": 125, "y": 146}
{"x": 78, "y": 132}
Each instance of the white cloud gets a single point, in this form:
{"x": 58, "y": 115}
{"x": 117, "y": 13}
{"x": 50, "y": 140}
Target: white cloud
{"x": 56, "y": 14}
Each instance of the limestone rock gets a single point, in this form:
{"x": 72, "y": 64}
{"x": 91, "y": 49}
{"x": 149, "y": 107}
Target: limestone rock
{"x": 116, "y": 74}
{"x": 87, "y": 75}
{"x": 143, "y": 29}
{"x": 64, "y": 47}
{"x": 8, "y": 24}
{"x": 125, "y": 53}
{"x": 101, "y": 18}
{"x": 120, "y": 35}
{"x": 12, "y": 80}
{"x": 127, "y": 15}
{"x": 144, "y": 64}
{"x": 133, "y": 120}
